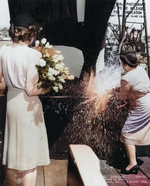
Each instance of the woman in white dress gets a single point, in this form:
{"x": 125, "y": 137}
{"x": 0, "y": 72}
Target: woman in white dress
{"x": 25, "y": 141}
{"x": 135, "y": 89}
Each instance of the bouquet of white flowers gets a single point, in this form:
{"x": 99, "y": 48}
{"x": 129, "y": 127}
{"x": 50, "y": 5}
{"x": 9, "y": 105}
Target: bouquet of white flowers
{"x": 51, "y": 69}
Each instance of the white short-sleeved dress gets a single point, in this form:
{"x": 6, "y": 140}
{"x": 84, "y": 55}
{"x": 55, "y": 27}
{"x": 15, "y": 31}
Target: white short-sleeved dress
{"x": 25, "y": 143}
{"x": 136, "y": 129}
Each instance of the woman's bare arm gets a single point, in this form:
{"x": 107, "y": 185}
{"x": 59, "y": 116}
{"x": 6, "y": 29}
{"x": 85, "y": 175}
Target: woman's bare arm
{"x": 124, "y": 90}
{"x": 2, "y": 84}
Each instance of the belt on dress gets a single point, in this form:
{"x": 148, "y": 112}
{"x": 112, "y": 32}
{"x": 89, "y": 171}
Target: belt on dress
{"x": 15, "y": 89}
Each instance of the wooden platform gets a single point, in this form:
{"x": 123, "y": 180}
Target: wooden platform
{"x": 56, "y": 174}
{"x": 114, "y": 178}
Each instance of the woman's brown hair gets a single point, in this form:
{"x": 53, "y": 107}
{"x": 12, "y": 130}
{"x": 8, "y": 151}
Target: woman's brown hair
{"x": 18, "y": 33}
{"x": 129, "y": 57}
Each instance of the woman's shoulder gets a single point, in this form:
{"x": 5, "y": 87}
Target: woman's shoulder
{"x": 129, "y": 76}
{"x": 136, "y": 75}
{"x": 136, "y": 71}
{"x": 32, "y": 52}
{"x": 141, "y": 72}
{"x": 2, "y": 47}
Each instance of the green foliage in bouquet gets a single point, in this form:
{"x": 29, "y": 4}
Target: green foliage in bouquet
{"x": 51, "y": 69}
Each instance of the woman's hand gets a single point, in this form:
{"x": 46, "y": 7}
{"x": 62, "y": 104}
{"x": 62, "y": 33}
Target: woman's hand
{"x": 70, "y": 77}
{"x": 36, "y": 91}
{"x": 44, "y": 91}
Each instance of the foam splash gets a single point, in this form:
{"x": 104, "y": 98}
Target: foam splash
{"x": 100, "y": 87}
{"x": 108, "y": 79}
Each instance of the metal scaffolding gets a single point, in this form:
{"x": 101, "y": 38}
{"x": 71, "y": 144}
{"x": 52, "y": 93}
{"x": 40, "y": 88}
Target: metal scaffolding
{"x": 118, "y": 30}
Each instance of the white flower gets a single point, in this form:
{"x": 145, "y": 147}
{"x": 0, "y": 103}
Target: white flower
{"x": 58, "y": 52}
{"x": 47, "y": 55}
{"x": 48, "y": 45}
{"x": 57, "y": 58}
{"x": 50, "y": 77}
{"x": 66, "y": 69}
{"x": 42, "y": 62}
{"x": 37, "y": 42}
{"x": 63, "y": 64}
{"x": 43, "y": 41}
{"x": 67, "y": 73}
{"x": 61, "y": 79}
{"x": 60, "y": 57}
{"x": 53, "y": 71}
{"x": 63, "y": 76}
{"x": 55, "y": 88}
{"x": 60, "y": 86}
{"x": 59, "y": 66}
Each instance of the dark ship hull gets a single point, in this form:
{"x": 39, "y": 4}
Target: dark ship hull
{"x": 61, "y": 26}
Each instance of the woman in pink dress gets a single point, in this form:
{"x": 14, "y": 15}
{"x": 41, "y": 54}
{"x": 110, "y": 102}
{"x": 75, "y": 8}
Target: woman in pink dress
{"x": 25, "y": 141}
{"x": 135, "y": 90}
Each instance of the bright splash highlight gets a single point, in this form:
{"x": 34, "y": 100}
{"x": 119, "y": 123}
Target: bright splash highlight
{"x": 100, "y": 87}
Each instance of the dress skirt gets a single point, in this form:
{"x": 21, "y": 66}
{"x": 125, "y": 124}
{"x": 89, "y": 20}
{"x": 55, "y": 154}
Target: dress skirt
{"x": 25, "y": 142}
{"x": 136, "y": 130}
{"x": 141, "y": 137}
